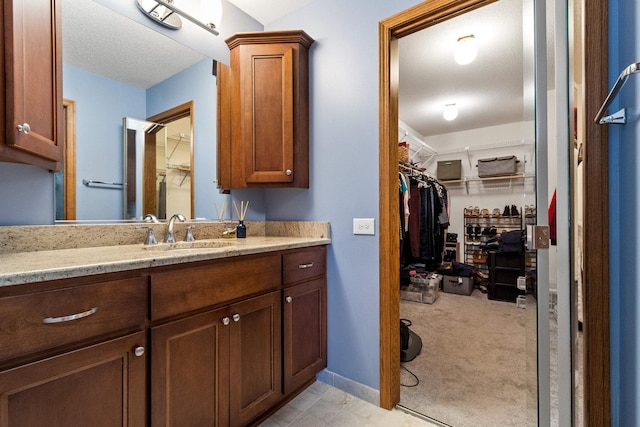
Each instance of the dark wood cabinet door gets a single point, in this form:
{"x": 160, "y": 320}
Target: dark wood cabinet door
{"x": 189, "y": 371}
{"x": 304, "y": 332}
{"x": 255, "y": 360}
{"x": 100, "y": 385}
{"x": 33, "y": 70}
{"x": 267, "y": 83}
{"x": 268, "y": 109}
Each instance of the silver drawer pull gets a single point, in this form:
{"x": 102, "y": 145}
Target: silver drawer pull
{"x": 288, "y": 299}
{"x": 309, "y": 265}
{"x": 50, "y": 320}
{"x": 236, "y": 317}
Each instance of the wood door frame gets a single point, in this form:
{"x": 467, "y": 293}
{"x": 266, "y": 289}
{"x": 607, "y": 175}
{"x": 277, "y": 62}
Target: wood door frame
{"x": 69, "y": 162}
{"x": 168, "y": 116}
{"x": 597, "y": 391}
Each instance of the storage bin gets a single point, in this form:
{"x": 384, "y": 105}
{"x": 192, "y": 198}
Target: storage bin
{"x": 497, "y": 166}
{"x": 449, "y": 170}
{"x": 423, "y": 288}
{"x": 403, "y": 152}
{"x": 457, "y": 285}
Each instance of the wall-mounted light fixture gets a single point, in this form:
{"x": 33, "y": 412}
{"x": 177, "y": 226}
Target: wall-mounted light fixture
{"x": 165, "y": 12}
{"x": 450, "y": 112}
{"x": 466, "y": 50}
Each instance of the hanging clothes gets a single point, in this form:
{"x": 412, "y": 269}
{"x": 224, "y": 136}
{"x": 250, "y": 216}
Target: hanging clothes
{"x": 424, "y": 220}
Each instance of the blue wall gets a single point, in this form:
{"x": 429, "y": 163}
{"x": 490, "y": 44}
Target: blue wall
{"x": 344, "y": 170}
{"x": 101, "y": 103}
{"x": 195, "y": 84}
{"x": 624, "y": 158}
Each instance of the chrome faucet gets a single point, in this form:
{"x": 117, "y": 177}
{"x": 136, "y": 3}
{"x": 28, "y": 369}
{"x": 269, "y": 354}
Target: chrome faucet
{"x": 151, "y": 218}
{"x": 171, "y": 238}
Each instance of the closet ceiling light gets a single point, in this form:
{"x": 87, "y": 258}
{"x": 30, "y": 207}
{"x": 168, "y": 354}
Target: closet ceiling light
{"x": 165, "y": 12}
{"x": 450, "y": 112}
{"x": 466, "y": 50}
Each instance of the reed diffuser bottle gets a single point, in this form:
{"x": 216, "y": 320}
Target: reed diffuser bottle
{"x": 241, "y": 229}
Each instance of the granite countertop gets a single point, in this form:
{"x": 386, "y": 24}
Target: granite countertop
{"x": 20, "y": 267}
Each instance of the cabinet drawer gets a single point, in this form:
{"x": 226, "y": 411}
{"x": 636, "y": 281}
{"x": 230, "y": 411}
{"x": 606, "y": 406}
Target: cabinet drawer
{"x": 304, "y": 264}
{"x": 45, "y": 320}
{"x": 187, "y": 289}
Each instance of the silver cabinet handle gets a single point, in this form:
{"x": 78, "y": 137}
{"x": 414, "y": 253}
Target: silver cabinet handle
{"x": 24, "y": 128}
{"x": 225, "y": 321}
{"x": 69, "y": 318}
{"x": 138, "y": 351}
{"x": 308, "y": 265}
{"x": 236, "y": 317}
{"x": 288, "y": 299}
{"x": 288, "y": 172}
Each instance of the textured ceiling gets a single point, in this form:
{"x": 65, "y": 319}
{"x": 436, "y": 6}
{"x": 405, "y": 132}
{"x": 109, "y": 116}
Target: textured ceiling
{"x": 99, "y": 40}
{"x": 489, "y": 91}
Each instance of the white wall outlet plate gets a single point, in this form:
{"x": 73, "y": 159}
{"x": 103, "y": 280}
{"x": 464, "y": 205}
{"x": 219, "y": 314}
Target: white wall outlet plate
{"x": 364, "y": 226}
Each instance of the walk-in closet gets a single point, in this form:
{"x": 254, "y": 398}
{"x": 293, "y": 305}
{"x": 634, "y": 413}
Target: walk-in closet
{"x": 470, "y": 202}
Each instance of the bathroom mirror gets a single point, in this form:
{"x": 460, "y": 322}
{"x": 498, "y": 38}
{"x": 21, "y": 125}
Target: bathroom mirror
{"x": 138, "y": 74}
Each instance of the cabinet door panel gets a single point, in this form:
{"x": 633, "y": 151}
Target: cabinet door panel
{"x": 255, "y": 357}
{"x": 34, "y": 77}
{"x": 268, "y": 114}
{"x": 101, "y": 385}
{"x": 305, "y": 333}
{"x": 189, "y": 371}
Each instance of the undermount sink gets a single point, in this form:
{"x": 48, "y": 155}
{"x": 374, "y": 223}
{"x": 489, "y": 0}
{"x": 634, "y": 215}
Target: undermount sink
{"x": 198, "y": 244}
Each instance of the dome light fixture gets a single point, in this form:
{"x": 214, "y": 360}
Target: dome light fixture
{"x": 466, "y": 50}
{"x": 450, "y": 112}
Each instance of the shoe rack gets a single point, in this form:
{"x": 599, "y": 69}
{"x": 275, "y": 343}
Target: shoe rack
{"x": 482, "y": 229}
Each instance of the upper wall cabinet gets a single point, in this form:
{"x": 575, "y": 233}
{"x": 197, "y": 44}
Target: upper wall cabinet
{"x": 31, "y": 61}
{"x": 263, "y": 111}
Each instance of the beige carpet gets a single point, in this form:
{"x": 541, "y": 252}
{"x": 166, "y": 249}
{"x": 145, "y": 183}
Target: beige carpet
{"x": 472, "y": 369}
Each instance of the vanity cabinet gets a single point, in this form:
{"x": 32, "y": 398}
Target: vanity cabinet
{"x": 76, "y": 353}
{"x": 219, "y": 342}
{"x": 304, "y": 316}
{"x": 267, "y": 106}
{"x": 222, "y": 366}
{"x": 102, "y": 385}
{"x": 31, "y": 122}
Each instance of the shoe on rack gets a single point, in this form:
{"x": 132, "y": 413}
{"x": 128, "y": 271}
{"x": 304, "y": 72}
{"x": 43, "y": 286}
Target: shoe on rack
{"x": 507, "y": 211}
{"x": 496, "y": 213}
{"x": 514, "y": 211}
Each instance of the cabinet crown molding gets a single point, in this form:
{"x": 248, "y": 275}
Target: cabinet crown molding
{"x": 265, "y": 37}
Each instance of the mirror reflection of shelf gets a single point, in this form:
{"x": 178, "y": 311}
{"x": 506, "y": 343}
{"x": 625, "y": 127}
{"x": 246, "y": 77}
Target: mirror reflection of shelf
{"x": 467, "y": 180}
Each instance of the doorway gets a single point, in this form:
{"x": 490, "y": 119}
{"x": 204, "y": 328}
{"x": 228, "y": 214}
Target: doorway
{"x": 168, "y": 164}
{"x": 595, "y": 218}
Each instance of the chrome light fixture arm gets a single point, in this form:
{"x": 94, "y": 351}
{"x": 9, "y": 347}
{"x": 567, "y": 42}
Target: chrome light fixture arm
{"x": 171, "y": 23}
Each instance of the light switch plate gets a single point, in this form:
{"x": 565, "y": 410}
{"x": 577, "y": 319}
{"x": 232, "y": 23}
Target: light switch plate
{"x": 364, "y": 226}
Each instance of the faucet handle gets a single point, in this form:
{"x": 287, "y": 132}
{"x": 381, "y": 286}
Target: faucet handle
{"x": 189, "y": 237}
{"x": 151, "y": 237}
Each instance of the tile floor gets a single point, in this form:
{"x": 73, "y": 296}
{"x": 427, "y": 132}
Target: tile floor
{"x": 322, "y": 405}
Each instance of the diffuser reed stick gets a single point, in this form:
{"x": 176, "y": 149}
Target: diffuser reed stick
{"x": 243, "y": 209}
{"x": 220, "y": 214}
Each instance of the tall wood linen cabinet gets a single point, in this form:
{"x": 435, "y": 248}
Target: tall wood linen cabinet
{"x": 263, "y": 111}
